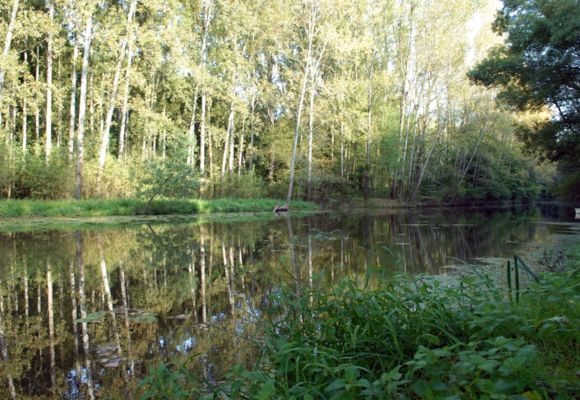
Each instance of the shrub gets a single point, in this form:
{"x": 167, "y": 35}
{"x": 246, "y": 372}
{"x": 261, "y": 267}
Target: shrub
{"x": 170, "y": 178}
{"x": 41, "y": 179}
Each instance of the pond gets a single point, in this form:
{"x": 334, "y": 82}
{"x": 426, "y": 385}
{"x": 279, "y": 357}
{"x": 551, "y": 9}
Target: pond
{"x": 86, "y": 312}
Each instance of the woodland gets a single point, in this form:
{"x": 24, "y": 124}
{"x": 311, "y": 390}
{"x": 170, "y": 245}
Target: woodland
{"x": 311, "y": 99}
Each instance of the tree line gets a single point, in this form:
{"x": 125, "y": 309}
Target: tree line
{"x": 312, "y": 99}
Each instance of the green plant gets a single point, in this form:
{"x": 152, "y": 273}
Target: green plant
{"x": 416, "y": 338}
{"x": 167, "y": 177}
{"x": 169, "y": 381}
{"x": 479, "y": 369}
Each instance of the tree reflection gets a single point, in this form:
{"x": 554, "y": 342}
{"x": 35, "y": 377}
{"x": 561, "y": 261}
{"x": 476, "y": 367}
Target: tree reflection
{"x": 165, "y": 292}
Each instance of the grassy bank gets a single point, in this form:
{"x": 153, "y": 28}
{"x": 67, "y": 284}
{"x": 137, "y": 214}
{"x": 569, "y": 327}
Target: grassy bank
{"x": 128, "y": 207}
{"x": 410, "y": 338}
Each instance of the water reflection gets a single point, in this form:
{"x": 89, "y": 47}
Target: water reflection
{"x": 83, "y": 314}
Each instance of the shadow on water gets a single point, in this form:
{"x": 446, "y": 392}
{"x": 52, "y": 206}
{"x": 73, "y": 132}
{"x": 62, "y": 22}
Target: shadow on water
{"x": 83, "y": 314}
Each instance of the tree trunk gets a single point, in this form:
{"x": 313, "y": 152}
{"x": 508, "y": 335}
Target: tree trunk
{"x": 114, "y": 89}
{"x": 82, "y": 107}
{"x": 241, "y": 149}
{"x": 370, "y": 99}
{"x": 73, "y": 93}
{"x": 191, "y": 141}
{"x": 37, "y": 107}
{"x": 202, "y": 134}
{"x": 309, "y": 69}
{"x": 342, "y": 150}
{"x": 252, "y": 133}
{"x": 8, "y": 41}
{"x": 125, "y": 107}
{"x": 203, "y": 57}
{"x": 48, "y": 116}
{"x": 24, "y": 122}
{"x": 227, "y": 140}
{"x": 231, "y": 137}
{"x": 310, "y": 133}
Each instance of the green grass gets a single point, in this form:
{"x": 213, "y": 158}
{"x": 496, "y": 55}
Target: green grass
{"x": 130, "y": 207}
{"x": 410, "y": 338}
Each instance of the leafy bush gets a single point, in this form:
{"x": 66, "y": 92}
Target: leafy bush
{"x": 170, "y": 178}
{"x": 41, "y": 179}
{"x": 115, "y": 180}
{"x": 244, "y": 186}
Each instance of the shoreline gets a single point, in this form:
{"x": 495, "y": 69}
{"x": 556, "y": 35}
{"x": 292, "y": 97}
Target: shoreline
{"x": 22, "y": 209}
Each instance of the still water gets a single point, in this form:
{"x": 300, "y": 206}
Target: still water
{"x": 85, "y": 313}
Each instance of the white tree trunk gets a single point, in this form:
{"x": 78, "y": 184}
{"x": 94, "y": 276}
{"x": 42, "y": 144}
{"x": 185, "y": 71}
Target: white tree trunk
{"x": 73, "y": 93}
{"x": 191, "y": 138}
{"x": 8, "y": 41}
{"x": 113, "y": 97}
{"x": 310, "y": 132}
{"x": 125, "y": 107}
{"x": 48, "y": 116}
{"x": 82, "y": 107}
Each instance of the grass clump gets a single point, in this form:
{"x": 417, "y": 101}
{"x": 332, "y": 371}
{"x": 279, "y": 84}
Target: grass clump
{"x": 127, "y": 207}
{"x": 414, "y": 338}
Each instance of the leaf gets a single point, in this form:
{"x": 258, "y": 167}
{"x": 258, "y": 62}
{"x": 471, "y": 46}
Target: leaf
{"x": 266, "y": 391}
{"x": 532, "y": 395}
{"x": 336, "y": 385}
{"x": 489, "y": 365}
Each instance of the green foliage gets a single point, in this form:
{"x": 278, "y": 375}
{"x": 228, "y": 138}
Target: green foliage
{"x": 537, "y": 67}
{"x": 166, "y": 177}
{"x": 115, "y": 180}
{"x": 417, "y": 338}
{"x": 492, "y": 368}
{"x": 568, "y": 187}
{"x": 167, "y": 381}
{"x": 8, "y": 167}
{"x": 244, "y": 186}
{"x": 41, "y": 179}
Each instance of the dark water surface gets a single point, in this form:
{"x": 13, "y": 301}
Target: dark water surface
{"x": 84, "y": 313}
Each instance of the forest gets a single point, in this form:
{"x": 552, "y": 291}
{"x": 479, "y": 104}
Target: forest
{"x": 312, "y": 99}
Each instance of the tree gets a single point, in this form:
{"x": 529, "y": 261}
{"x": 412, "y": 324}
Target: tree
{"x": 83, "y": 104}
{"x": 8, "y": 41}
{"x": 538, "y": 68}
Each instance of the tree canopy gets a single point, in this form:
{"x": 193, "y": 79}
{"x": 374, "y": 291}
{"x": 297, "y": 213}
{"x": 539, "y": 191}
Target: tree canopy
{"x": 538, "y": 67}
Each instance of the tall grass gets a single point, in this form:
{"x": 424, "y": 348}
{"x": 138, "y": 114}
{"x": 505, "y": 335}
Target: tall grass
{"x": 118, "y": 207}
{"x": 412, "y": 338}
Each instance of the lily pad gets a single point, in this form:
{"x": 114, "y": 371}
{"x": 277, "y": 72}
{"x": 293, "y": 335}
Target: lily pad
{"x": 97, "y": 316}
{"x": 144, "y": 318}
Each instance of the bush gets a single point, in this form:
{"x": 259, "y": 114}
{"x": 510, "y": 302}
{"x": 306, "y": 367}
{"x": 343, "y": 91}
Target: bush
{"x": 169, "y": 178}
{"x": 41, "y": 179}
{"x": 245, "y": 186}
{"x": 115, "y": 180}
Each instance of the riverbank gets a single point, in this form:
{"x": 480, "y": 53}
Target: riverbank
{"x": 377, "y": 202}
{"x": 410, "y": 337}
{"x": 132, "y": 207}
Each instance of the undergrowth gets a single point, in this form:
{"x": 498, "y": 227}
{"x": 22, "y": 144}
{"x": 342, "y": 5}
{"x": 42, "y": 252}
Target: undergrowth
{"x": 411, "y": 338}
